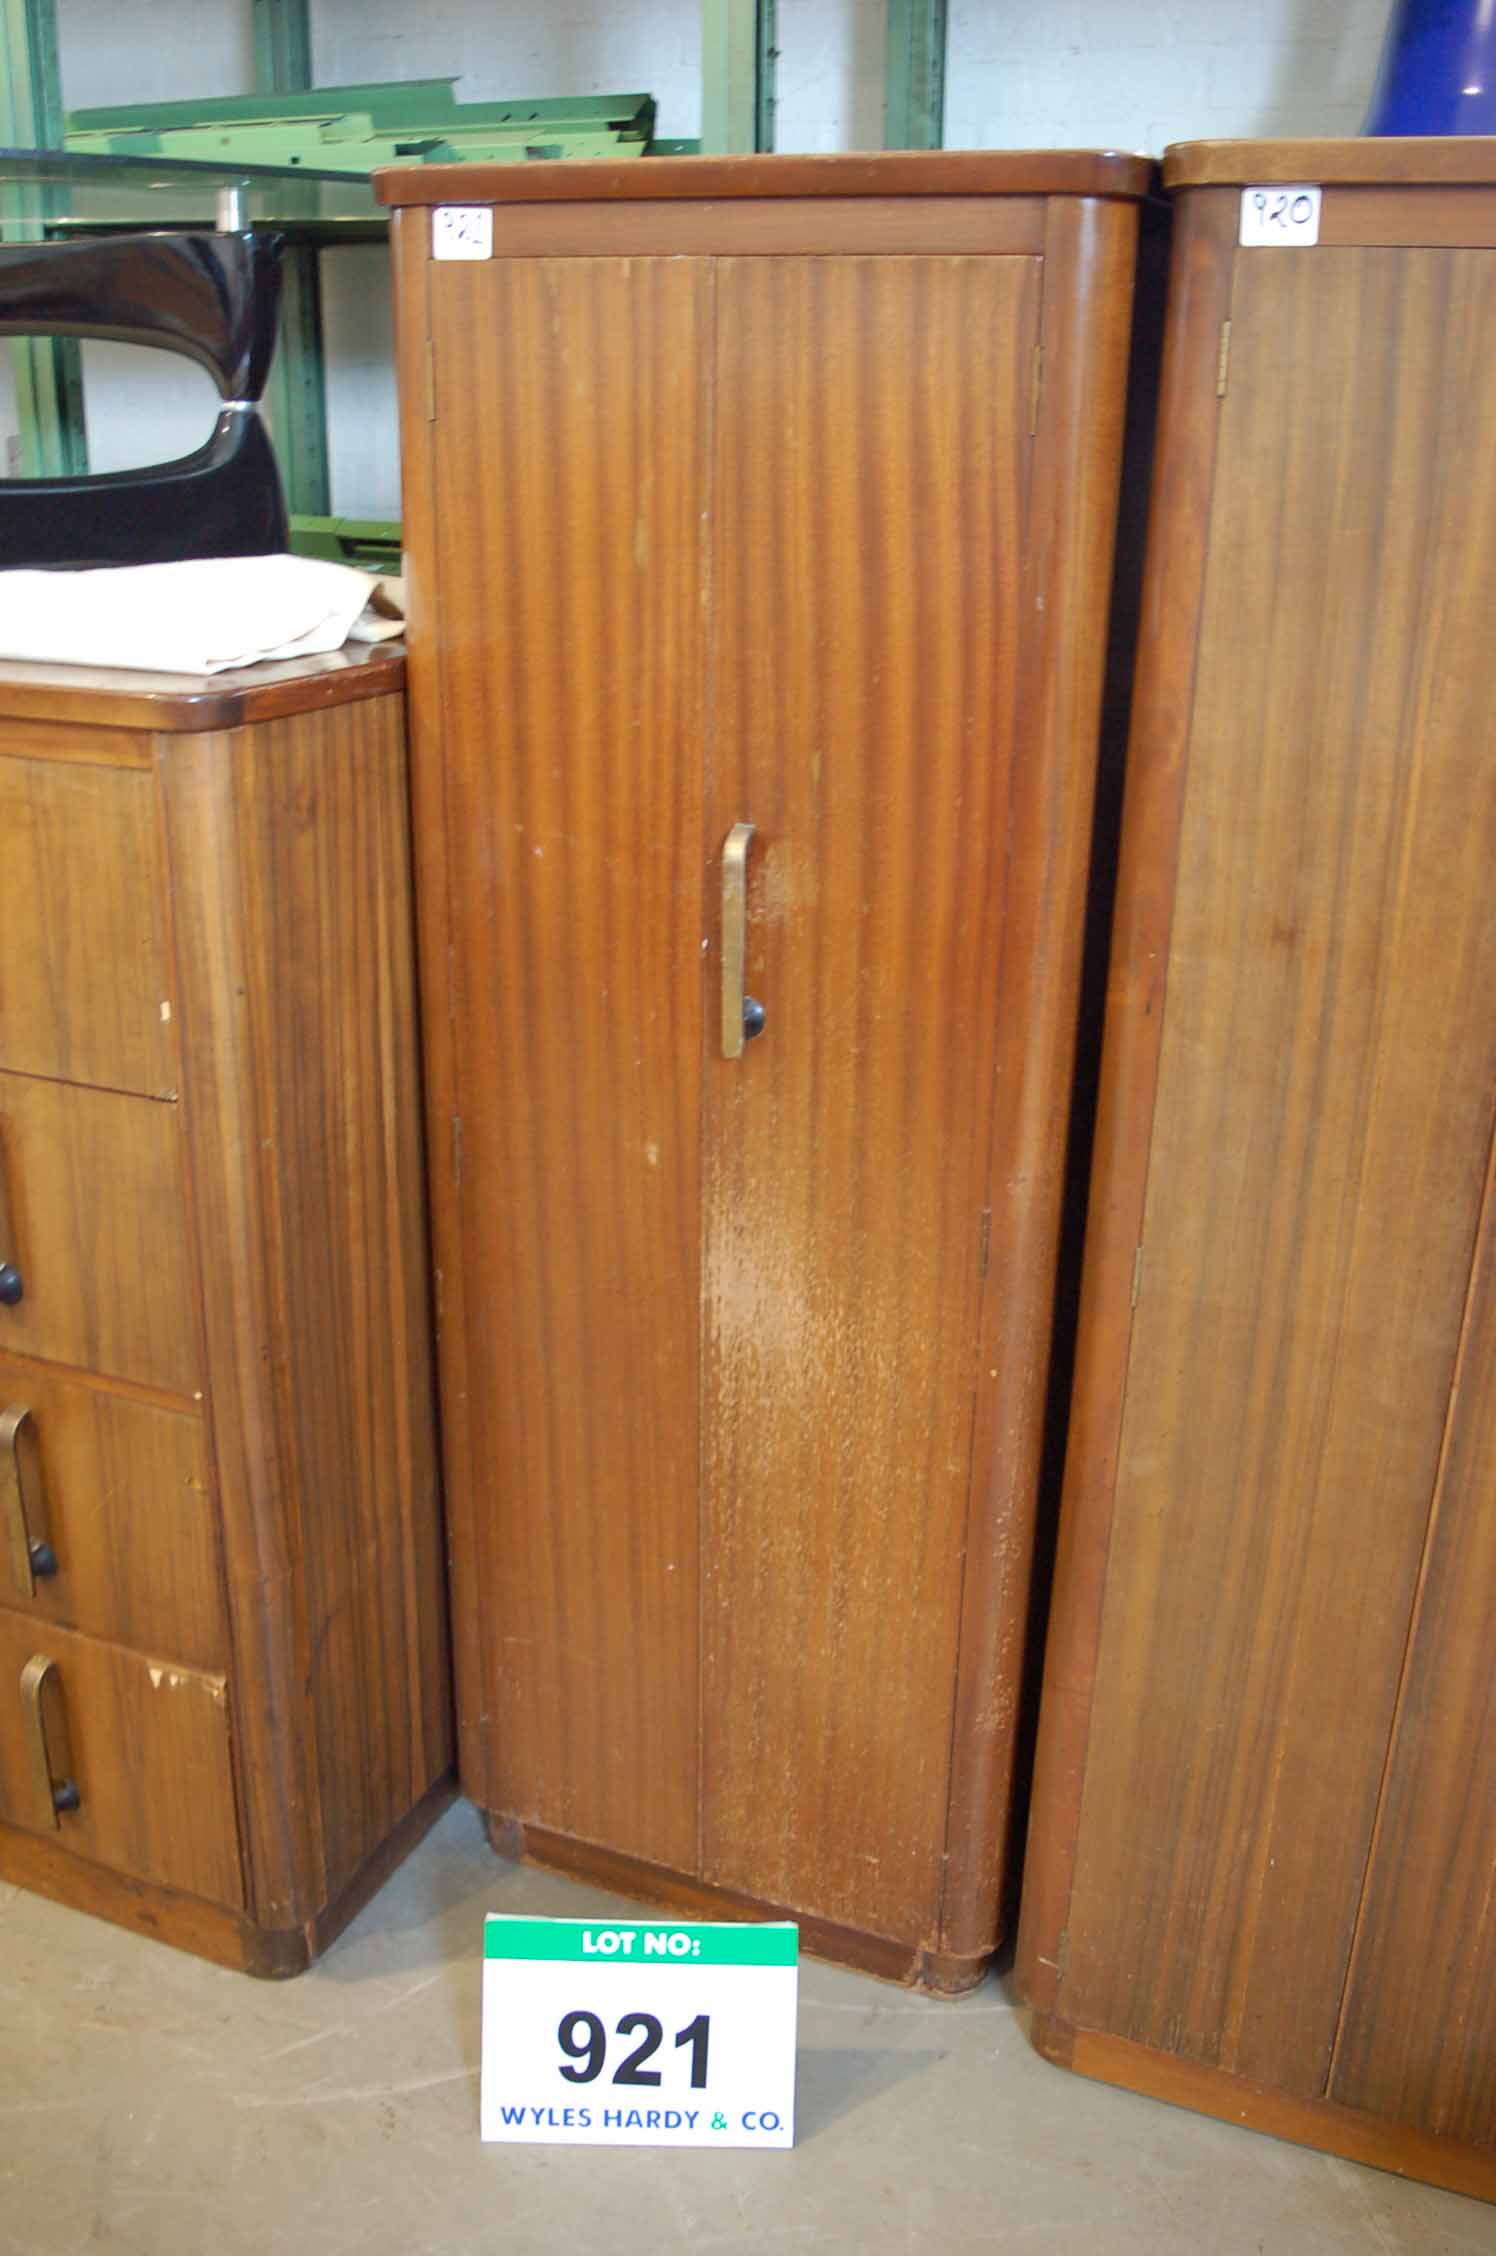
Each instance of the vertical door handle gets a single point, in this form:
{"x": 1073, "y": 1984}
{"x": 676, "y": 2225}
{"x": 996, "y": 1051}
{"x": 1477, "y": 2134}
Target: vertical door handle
{"x": 742, "y": 1017}
{"x": 23, "y": 1500}
{"x": 10, "y": 1276}
{"x": 47, "y": 1737}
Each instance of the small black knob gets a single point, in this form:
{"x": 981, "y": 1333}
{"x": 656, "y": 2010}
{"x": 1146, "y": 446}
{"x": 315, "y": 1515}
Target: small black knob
{"x": 66, "y": 1797}
{"x": 43, "y": 1559}
{"x": 11, "y": 1287}
{"x": 754, "y": 1016}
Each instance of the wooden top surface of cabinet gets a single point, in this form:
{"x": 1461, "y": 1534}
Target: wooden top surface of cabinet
{"x": 1400, "y": 161}
{"x": 777, "y": 494}
{"x": 890, "y": 174}
{"x": 104, "y": 698}
{"x": 221, "y": 1572}
{"x": 1267, "y": 1773}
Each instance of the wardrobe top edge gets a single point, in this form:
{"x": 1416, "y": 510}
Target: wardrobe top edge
{"x": 899, "y": 172}
{"x": 1410, "y": 161}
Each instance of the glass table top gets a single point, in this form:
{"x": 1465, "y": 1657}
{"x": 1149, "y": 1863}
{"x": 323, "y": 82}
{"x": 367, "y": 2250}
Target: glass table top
{"x": 54, "y": 192}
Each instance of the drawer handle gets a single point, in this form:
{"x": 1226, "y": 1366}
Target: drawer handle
{"x": 23, "y": 1500}
{"x": 11, "y": 1287}
{"x": 47, "y": 1737}
{"x": 742, "y": 1017}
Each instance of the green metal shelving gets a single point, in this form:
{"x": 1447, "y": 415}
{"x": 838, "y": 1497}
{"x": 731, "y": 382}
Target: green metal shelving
{"x": 48, "y": 371}
{"x": 738, "y": 56}
{"x": 914, "y": 78}
{"x": 302, "y": 156}
{"x": 298, "y": 130}
{"x": 282, "y": 34}
{"x": 355, "y": 128}
{"x": 370, "y": 541}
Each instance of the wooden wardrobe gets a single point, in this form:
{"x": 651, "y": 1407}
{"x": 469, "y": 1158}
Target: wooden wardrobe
{"x": 1259, "y": 1875}
{"x": 759, "y": 521}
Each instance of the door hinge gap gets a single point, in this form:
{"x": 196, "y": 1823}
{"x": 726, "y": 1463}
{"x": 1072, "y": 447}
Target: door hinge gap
{"x": 430, "y": 381}
{"x": 1137, "y": 1275}
{"x": 457, "y": 1148}
{"x": 1036, "y": 382}
{"x": 986, "y": 1241}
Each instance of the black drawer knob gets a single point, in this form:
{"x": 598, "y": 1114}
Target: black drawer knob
{"x": 11, "y": 1288}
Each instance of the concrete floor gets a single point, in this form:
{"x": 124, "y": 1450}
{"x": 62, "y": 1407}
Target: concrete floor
{"x": 154, "y": 2105}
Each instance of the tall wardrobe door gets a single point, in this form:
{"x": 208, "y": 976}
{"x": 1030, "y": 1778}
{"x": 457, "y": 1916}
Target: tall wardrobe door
{"x": 870, "y": 455}
{"x": 1419, "y": 2036}
{"x": 570, "y": 585}
{"x": 1320, "y": 1144}
{"x": 1418, "y": 2042}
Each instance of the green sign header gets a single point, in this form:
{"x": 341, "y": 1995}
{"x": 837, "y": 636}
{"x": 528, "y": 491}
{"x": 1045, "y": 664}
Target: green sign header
{"x": 601, "y": 1942}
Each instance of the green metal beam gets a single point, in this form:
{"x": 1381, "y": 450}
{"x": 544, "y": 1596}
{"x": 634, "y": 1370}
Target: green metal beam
{"x": 373, "y": 542}
{"x": 353, "y": 145}
{"x": 914, "y": 83}
{"x": 738, "y": 56}
{"x": 391, "y": 106}
{"x": 48, "y": 370}
{"x": 282, "y": 46}
{"x": 30, "y": 89}
{"x": 297, "y": 391}
{"x": 298, "y": 387}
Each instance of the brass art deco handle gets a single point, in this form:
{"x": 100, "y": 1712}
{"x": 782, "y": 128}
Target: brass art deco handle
{"x": 742, "y": 1017}
{"x": 23, "y": 1500}
{"x": 47, "y": 1737}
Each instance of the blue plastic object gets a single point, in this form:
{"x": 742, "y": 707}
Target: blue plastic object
{"x": 1438, "y": 71}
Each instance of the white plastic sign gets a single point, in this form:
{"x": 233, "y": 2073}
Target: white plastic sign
{"x": 639, "y": 2033}
{"x": 462, "y": 231}
{"x": 1279, "y": 218}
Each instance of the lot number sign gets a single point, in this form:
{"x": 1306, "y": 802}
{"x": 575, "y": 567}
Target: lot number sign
{"x": 640, "y": 2033}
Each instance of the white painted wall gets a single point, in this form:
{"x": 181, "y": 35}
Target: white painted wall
{"x": 358, "y": 334}
{"x": 502, "y": 48}
{"x": 1136, "y": 74}
{"x": 1112, "y": 73}
{"x": 1130, "y": 74}
{"x": 152, "y": 50}
{"x": 830, "y": 79}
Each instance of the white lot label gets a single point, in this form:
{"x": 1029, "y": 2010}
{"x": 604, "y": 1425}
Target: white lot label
{"x": 1285, "y": 218}
{"x": 462, "y": 231}
{"x": 639, "y": 2033}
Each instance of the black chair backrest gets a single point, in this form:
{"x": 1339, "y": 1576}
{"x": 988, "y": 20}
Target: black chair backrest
{"x": 213, "y": 297}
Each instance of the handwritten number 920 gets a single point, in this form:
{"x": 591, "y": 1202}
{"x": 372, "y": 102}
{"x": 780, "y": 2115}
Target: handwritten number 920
{"x": 1287, "y": 212}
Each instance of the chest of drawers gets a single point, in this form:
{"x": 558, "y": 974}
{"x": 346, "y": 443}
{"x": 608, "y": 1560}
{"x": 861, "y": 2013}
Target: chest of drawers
{"x": 223, "y": 1656}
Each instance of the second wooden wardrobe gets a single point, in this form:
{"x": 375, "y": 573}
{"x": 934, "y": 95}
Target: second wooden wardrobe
{"x": 759, "y": 516}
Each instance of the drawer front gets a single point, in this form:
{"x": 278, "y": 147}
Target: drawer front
{"x": 106, "y": 1523}
{"x": 93, "y": 1185}
{"x": 140, "y": 1745}
{"x": 84, "y": 993}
